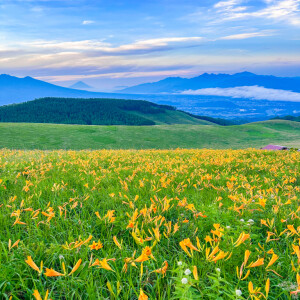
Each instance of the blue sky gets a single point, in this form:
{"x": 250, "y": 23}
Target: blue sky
{"x": 121, "y": 43}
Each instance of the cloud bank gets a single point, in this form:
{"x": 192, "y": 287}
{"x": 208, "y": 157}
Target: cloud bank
{"x": 248, "y": 92}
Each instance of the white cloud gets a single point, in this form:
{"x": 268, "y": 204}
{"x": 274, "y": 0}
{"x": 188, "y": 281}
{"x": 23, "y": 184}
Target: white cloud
{"x": 247, "y": 35}
{"x": 88, "y": 22}
{"x": 278, "y": 10}
{"x": 155, "y": 43}
{"x": 70, "y": 45}
{"x": 107, "y": 48}
{"x": 227, "y": 4}
{"x": 249, "y": 92}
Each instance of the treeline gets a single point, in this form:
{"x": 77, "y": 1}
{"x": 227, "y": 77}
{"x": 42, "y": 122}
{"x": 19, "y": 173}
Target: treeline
{"x": 82, "y": 111}
{"x": 219, "y": 121}
{"x": 290, "y": 118}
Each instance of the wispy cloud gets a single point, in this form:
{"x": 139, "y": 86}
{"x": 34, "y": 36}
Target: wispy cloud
{"x": 134, "y": 74}
{"x": 247, "y": 35}
{"x": 277, "y": 10}
{"x": 107, "y": 48}
{"x": 87, "y": 22}
{"x": 249, "y": 92}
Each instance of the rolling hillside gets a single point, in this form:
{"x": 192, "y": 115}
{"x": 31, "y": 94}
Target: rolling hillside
{"x": 49, "y": 136}
{"x": 96, "y": 112}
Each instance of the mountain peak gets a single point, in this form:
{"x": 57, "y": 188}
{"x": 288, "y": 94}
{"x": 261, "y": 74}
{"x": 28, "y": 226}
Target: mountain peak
{"x": 245, "y": 73}
{"x": 6, "y": 76}
{"x": 80, "y": 85}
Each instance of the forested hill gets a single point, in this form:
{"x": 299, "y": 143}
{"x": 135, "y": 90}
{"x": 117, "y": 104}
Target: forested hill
{"x": 95, "y": 112}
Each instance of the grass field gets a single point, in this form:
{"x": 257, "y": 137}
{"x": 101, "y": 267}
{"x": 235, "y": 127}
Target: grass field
{"x": 48, "y": 136}
{"x": 149, "y": 224}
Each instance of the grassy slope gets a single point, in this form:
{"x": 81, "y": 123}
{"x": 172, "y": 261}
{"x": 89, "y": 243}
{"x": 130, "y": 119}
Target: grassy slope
{"x": 173, "y": 117}
{"x": 50, "y": 136}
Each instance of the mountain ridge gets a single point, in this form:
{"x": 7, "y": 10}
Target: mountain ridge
{"x": 179, "y": 84}
{"x": 16, "y": 90}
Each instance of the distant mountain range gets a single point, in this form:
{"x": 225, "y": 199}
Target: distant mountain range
{"x": 240, "y": 109}
{"x": 80, "y": 85}
{"x": 178, "y": 84}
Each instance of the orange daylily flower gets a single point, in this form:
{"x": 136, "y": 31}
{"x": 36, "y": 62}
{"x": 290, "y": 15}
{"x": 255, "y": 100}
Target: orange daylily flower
{"x": 163, "y": 269}
{"x": 242, "y": 238}
{"x": 186, "y": 243}
{"x": 253, "y": 292}
{"x": 142, "y": 295}
{"x": 267, "y": 288}
{"x": 52, "y": 273}
{"x": 247, "y": 254}
{"x": 272, "y": 261}
{"x": 103, "y": 264}
{"x": 76, "y": 267}
{"x": 15, "y": 244}
{"x": 32, "y": 264}
{"x": 257, "y": 263}
{"x": 143, "y": 257}
{"x": 220, "y": 255}
{"x": 96, "y": 245}
{"x": 297, "y": 251}
{"x": 195, "y": 273}
{"x": 37, "y": 295}
{"x": 292, "y": 229}
{"x": 117, "y": 243}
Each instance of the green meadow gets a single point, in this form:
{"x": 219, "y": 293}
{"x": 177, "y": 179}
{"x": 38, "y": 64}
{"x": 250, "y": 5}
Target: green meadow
{"x": 77, "y": 137}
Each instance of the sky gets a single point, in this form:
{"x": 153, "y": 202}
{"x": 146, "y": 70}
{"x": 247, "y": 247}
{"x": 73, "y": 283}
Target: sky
{"x": 120, "y": 43}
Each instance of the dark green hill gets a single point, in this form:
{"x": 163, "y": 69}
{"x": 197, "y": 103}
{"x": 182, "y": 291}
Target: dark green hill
{"x": 96, "y": 112}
